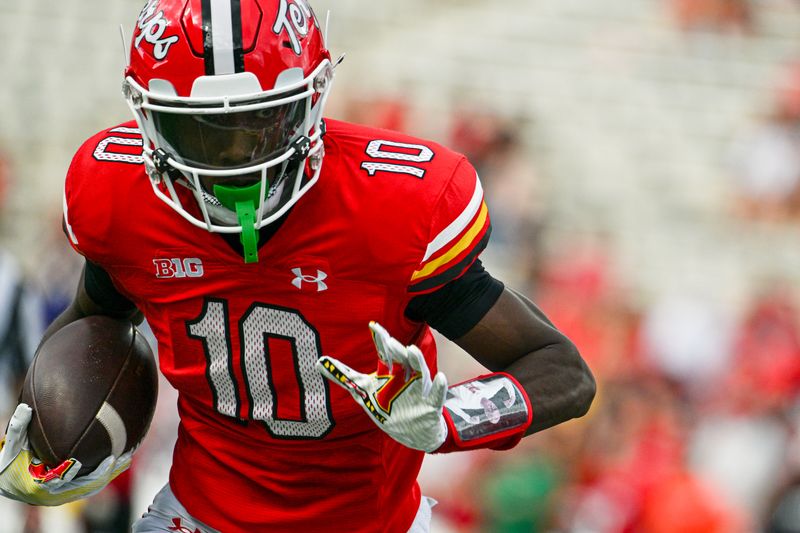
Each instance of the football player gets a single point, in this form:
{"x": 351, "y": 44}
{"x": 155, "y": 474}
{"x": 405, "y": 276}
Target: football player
{"x": 291, "y": 267}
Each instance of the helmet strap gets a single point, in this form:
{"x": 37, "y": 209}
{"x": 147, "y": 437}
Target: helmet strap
{"x": 243, "y": 200}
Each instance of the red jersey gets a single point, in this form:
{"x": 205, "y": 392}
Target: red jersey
{"x": 264, "y": 442}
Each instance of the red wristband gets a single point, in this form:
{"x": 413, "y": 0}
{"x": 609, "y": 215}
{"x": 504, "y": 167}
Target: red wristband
{"x": 490, "y": 411}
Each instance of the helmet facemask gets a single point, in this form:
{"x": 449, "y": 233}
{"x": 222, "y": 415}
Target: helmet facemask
{"x": 246, "y": 155}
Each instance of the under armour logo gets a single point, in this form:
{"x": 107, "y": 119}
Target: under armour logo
{"x": 300, "y": 278}
{"x": 178, "y": 526}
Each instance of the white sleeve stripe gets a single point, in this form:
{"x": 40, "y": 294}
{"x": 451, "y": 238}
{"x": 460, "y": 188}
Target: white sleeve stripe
{"x": 123, "y": 129}
{"x": 72, "y": 236}
{"x": 457, "y": 226}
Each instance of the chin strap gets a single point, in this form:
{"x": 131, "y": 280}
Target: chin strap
{"x": 243, "y": 200}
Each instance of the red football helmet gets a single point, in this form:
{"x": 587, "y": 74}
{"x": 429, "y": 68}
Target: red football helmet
{"x": 228, "y": 95}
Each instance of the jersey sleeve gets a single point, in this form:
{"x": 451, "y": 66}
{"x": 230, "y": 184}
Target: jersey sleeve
{"x": 98, "y": 186}
{"x": 82, "y": 208}
{"x": 460, "y": 230}
{"x": 457, "y": 307}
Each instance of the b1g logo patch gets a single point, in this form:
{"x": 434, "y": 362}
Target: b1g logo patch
{"x": 152, "y": 25}
{"x": 188, "y": 267}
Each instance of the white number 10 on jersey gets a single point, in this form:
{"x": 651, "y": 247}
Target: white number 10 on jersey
{"x": 256, "y": 326}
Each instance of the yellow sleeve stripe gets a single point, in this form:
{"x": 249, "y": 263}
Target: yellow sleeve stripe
{"x": 457, "y": 226}
{"x": 463, "y": 244}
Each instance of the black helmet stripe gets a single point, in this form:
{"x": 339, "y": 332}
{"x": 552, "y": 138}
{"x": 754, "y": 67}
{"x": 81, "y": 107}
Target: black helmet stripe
{"x": 222, "y": 36}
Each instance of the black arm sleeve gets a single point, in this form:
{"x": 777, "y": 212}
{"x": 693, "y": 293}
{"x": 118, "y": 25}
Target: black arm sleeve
{"x": 101, "y": 290}
{"x": 458, "y": 306}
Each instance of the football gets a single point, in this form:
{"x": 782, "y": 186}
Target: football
{"x": 92, "y": 387}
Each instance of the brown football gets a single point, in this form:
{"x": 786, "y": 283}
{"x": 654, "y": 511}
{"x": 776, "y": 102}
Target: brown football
{"x": 92, "y": 387}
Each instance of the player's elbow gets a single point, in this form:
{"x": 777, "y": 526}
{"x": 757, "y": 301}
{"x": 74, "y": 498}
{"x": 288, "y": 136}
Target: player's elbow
{"x": 562, "y": 386}
{"x": 583, "y": 382}
{"x": 576, "y": 384}
{"x": 587, "y": 390}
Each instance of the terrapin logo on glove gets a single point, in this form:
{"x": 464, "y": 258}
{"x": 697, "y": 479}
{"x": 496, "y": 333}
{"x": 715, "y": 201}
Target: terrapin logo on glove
{"x": 491, "y": 411}
{"x": 400, "y": 396}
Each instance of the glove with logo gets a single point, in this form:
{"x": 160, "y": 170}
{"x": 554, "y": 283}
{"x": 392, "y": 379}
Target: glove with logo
{"x": 24, "y": 478}
{"x": 491, "y": 411}
{"x": 400, "y": 396}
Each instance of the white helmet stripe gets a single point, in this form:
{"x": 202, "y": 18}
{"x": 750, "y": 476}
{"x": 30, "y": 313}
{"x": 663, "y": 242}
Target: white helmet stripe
{"x": 223, "y": 50}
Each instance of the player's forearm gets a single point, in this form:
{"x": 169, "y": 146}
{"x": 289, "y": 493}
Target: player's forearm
{"x": 72, "y": 313}
{"x": 555, "y": 377}
{"x": 83, "y": 306}
{"x": 517, "y": 338}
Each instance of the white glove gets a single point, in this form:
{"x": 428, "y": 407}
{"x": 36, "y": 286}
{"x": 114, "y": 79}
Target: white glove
{"x": 53, "y": 486}
{"x": 400, "y": 396}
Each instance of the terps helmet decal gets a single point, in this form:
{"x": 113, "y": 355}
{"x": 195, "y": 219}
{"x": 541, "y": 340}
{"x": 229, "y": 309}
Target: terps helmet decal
{"x": 295, "y": 18}
{"x": 151, "y": 27}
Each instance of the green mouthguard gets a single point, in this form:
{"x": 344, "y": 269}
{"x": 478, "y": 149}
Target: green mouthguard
{"x": 243, "y": 200}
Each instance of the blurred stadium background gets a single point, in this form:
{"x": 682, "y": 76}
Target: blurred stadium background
{"x": 641, "y": 160}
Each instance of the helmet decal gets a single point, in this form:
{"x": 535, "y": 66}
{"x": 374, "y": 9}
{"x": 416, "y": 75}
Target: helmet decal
{"x": 294, "y": 18}
{"x": 151, "y": 27}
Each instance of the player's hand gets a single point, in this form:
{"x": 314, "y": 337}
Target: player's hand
{"x": 24, "y": 478}
{"x": 400, "y": 396}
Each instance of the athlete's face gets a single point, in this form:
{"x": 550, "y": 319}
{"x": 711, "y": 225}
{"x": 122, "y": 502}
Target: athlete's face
{"x": 233, "y": 140}
{"x": 227, "y": 141}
